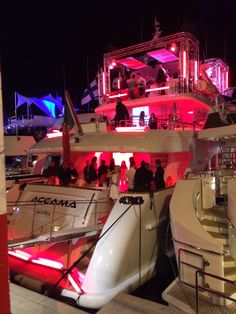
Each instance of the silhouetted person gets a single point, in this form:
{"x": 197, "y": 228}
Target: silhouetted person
{"x": 159, "y": 175}
{"x": 102, "y": 172}
{"x": 142, "y": 118}
{"x": 93, "y": 176}
{"x": 161, "y": 77}
{"x": 152, "y": 121}
{"x": 51, "y": 173}
{"x": 67, "y": 173}
{"x": 142, "y": 178}
{"x": 122, "y": 113}
{"x": 86, "y": 172}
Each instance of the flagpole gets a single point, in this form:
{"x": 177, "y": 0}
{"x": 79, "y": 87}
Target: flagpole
{"x": 4, "y": 276}
{"x": 87, "y": 72}
{"x": 16, "y": 115}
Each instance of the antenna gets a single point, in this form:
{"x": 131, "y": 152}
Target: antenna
{"x": 158, "y": 32}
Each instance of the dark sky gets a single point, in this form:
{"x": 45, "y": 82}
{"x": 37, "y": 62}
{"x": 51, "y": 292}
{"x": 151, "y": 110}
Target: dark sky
{"x": 45, "y": 44}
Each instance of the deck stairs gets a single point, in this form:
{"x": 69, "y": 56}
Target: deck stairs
{"x": 216, "y": 223}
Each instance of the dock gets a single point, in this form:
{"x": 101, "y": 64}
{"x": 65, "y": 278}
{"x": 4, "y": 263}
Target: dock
{"x": 24, "y": 301}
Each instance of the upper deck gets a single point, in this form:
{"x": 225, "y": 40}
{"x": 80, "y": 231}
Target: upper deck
{"x": 183, "y": 94}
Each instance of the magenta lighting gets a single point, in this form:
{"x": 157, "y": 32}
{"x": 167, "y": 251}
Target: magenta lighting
{"x": 118, "y": 95}
{"x": 156, "y": 88}
{"x": 173, "y": 47}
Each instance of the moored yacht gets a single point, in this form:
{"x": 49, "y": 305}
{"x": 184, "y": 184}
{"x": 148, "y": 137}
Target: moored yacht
{"x": 87, "y": 249}
{"x": 202, "y": 215}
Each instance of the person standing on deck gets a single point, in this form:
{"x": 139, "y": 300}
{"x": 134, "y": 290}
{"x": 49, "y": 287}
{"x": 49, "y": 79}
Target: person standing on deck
{"x": 159, "y": 175}
{"x": 122, "y": 113}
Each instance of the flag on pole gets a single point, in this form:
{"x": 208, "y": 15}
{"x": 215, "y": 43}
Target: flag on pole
{"x": 70, "y": 121}
{"x": 90, "y": 93}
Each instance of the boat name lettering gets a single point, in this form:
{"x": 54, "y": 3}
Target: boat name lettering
{"x": 54, "y": 201}
{"x": 42, "y": 212}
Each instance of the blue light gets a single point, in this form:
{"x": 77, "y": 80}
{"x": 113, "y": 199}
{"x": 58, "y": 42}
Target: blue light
{"x": 50, "y": 106}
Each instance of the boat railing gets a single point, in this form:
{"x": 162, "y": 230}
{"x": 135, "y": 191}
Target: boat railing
{"x": 173, "y": 86}
{"x": 165, "y": 123}
{"x": 206, "y": 288}
{"x": 181, "y": 263}
{"x": 50, "y": 226}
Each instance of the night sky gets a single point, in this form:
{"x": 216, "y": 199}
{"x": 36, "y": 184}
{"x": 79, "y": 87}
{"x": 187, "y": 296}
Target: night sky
{"x": 49, "y": 45}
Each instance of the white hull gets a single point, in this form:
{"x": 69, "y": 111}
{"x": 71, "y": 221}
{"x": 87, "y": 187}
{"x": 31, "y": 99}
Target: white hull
{"x": 124, "y": 257}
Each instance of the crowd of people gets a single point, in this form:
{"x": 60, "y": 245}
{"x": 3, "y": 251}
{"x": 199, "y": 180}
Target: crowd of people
{"x": 66, "y": 173}
{"x": 113, "y": 177}
{"x": 137, "y": 84}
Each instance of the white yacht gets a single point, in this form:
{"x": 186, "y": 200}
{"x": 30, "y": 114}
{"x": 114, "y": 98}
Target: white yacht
{"x": 71, "y": 241}
{"x": 202, "y": 215}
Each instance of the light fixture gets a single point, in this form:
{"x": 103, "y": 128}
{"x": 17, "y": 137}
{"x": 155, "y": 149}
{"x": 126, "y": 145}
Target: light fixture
{"x": 173, "y": 47}
{"x": 113, "y": 63}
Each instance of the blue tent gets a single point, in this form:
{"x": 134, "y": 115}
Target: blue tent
{"x": 47, "y": 104}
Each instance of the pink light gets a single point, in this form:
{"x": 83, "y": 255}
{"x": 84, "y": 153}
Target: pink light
{"x": 118, "y": 95}
{"x": 74, "y": 284}
{"x": 20, "y": 254}
{"x": 48, "y": 263}
{"x": 111, "y": 67}
{"x": 190, "y": 112}
{"x": 184, "y": 64}
{"x": 227, "y": 80}
{"x": 157, "y": 88}
{"x": 173, "y": 47}
{"x": 219, "y": 78}
{"x": 163, "y": 55}
{"x": 54, "y": 134}
{"x": 118, "y": 83}
{"x": 103, "y": 83}
{"x": 113, "y": 63}
{"x": 132, "y": 63}
{"x": 195, "y": 71}
{"x": 130, "y": 129}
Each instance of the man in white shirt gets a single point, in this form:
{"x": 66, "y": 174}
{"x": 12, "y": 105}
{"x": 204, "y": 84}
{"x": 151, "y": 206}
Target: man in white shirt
{"x": 129, "y": 176}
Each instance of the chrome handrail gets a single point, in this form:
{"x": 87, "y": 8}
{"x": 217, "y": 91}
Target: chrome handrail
{"x": 204, "y": 263}
{"x": 198, "y": 248}
{"x": 204, "y": 288}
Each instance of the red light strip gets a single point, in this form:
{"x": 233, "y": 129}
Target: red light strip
{"x": 20, "y": 254}
{"x": 74, "y": 284}
{"x": 184, "y": 64}
{"x": 47, "y": 262}
{"x": 54, "y": 134}
{"x": 103, "y": 83}
{"x": 118, "y": 95}
{"x": 157, "y": 88}
{"x": 195, "y": 71}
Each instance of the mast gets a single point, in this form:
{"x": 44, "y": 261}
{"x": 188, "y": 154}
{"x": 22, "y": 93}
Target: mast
{"x": 4, "y": 277}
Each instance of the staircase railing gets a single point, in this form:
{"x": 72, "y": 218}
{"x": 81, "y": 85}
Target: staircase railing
{"x": 199, "y": 287}
{"x": 204, "y": 263}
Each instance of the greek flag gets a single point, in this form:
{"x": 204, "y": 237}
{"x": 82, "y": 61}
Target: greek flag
{"x": 90, "y": 93}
